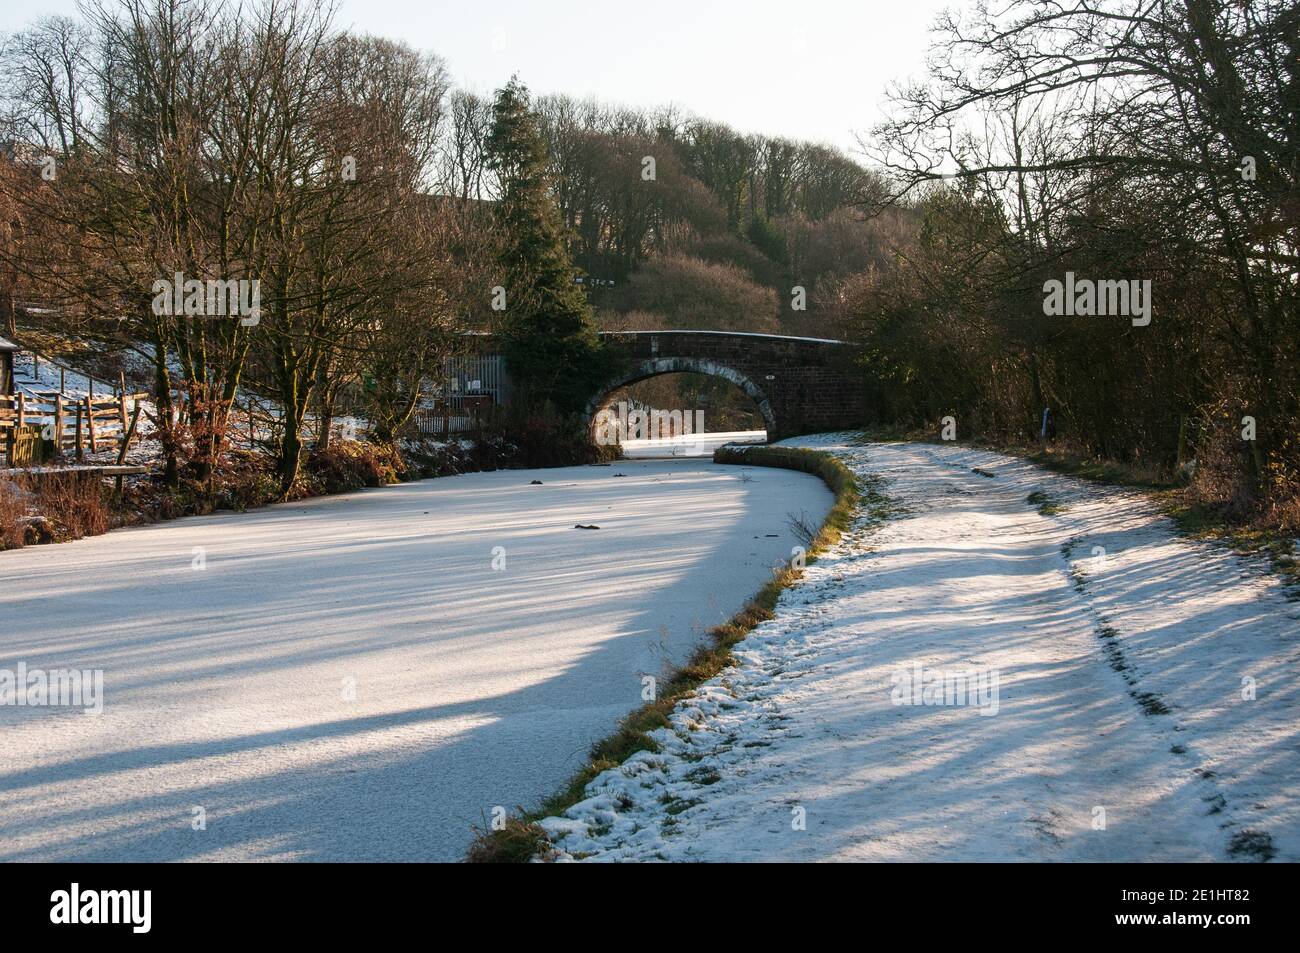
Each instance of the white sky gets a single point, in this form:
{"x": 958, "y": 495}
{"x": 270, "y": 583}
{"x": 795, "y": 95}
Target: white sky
{"x": 806, "y": 69}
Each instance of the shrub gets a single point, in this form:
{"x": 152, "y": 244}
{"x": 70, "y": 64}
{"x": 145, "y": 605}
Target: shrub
{"x": 351, "y": 465}
{"x": 538, "y": 439}
{"x": 51, "y": 507}
{"x": 74, "y": 503}
{"x": 696, "y": 294}
{"x": 727, "y": 249}
{"x": 13, "y": 515}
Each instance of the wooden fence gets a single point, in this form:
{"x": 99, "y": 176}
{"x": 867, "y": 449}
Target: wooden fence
{"x": 34, "y": 359}
{"x": 70, "y": 424}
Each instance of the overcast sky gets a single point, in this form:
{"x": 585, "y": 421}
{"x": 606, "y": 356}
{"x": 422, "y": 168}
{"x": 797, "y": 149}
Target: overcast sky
{"x": 806, "y": 69}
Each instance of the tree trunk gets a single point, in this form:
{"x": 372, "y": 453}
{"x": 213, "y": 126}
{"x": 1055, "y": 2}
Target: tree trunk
{"x": 290, "y": 452}
{"x": 328, "y": 397}
{"x": 165, "y": 423}
{"x": 9, "y": 311}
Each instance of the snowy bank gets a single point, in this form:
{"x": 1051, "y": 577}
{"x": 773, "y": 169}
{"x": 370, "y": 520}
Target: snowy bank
{"x": 978, "y": 680}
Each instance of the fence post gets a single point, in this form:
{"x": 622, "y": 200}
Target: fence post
{"x": 81, "y": 453}
{"x": 21, "y": 407}
{"x": 58, "y": 424}
{"x": 126, "y": 443}
{"x": 90, "y": 422}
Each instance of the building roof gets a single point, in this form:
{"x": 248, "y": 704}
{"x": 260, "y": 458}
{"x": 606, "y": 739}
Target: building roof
{"x": 7, "y": 345}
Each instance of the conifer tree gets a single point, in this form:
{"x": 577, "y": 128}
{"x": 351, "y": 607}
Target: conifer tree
{"x": 549, "y": 336}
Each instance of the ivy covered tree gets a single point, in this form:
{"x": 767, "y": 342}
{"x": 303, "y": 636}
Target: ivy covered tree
{"x": 549, "y": 336}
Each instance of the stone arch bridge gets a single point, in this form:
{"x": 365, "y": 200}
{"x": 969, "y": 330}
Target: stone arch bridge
{"x": 800, "y": 385}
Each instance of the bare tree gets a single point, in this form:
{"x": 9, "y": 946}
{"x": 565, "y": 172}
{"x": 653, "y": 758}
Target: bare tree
{"x": 44, "y": 72}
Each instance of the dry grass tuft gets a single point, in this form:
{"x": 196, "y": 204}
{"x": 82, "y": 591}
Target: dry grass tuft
{"x": 51, "y": 507}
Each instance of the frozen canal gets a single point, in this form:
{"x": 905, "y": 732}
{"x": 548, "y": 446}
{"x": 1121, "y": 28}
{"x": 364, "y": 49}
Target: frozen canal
{"x": 364, "y": 677}
{"x": 689, "y": 445}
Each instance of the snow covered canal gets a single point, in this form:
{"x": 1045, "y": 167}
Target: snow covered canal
{"x": 364, "y": 677}
{"x": 689, "y": 445}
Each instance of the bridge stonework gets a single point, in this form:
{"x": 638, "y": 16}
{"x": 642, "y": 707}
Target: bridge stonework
{"x": 801, "y": 385}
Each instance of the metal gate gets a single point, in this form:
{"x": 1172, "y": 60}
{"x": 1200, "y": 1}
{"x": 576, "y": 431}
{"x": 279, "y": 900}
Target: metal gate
{"x": 471, "y": 386}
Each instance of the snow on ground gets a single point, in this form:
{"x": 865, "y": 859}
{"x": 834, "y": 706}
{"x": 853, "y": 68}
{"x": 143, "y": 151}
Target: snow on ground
{"x": 1147, "y": 705}
{"x": 35, "y": 377}
{"x": 689, "y": 445}
{"x": 348, "y": 678}
{"x": 39, "y": 376}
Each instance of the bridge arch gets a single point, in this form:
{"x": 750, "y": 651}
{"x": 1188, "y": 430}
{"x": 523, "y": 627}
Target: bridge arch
{"x": 656, "y": 367}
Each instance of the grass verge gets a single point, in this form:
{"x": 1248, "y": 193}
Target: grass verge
{"x": 1202, "y": 522}
{"x": 520, "y": 838}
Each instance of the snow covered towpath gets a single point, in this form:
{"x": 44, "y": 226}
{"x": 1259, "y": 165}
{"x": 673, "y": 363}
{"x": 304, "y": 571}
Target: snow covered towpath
{"x": 982, "y": 677}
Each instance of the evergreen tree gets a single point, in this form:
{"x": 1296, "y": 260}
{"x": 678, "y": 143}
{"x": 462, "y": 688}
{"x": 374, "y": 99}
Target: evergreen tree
{"x": 550, "y": 340}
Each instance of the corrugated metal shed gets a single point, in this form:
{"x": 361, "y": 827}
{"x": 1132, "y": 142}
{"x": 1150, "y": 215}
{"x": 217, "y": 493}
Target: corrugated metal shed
{"x": 7, "y": 349}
